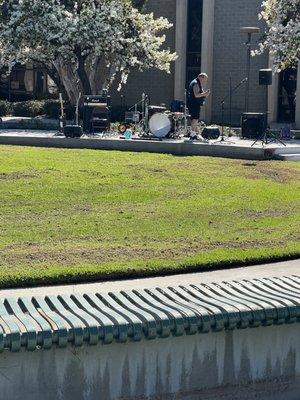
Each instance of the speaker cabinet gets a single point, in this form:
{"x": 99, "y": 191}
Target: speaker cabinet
{"x": 265, "y": 77}
{"x": 253, "y": 125}
{"x": 72, "y": 131}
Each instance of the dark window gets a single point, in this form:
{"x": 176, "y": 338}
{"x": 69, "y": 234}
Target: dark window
{"x": 287, "y": 95}
{"x": 194, "y": 39}
{"x": 17, "y": 78}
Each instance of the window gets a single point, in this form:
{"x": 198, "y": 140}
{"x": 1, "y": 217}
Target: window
{"x": 287, "y": 95}
{"x": 194, "y": 39}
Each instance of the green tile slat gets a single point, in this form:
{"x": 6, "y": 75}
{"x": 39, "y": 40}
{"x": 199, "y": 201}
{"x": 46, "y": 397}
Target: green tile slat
{"x": 44, "y": 336}
{"x": 60, "y": 331}
{"x": 244, "y": 316}
{"x": 205, "y": 318}
{"x": 163, "y": 322}
{"x": 90, "y": 327}
{"x": 106, "y": 325}
{"x": 217, "y": 314}
{"x": 270, "y": 313}
{"x": 102, "y": 318}
{"x": 283, "y": 296}
{"x": 251, "y": 314}
{"x": 13, "y": 338}
{"x": 135, "y": 323}
{"x": 28, "y": 339}
{"x": 181, "y": 322}
{"x": 149, "y": 323}
{"x": 285, "y": 284}
{"x": 176, "y": 318}
{"x": 230, "y": 313}
{"x": 191, "y": 319}
{"x": 1, "y": 338}
{"x": 293, "y": 281}
{"x": 77, "y": 326}
{"x": 281, "y": 311}
{"x": 121, "y": 325}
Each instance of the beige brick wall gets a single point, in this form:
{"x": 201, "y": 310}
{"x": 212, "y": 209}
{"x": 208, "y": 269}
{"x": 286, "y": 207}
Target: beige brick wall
{"x": 230, "y": 56}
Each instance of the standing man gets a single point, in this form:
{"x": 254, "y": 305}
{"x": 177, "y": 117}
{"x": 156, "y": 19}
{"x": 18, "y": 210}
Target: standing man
{"x": 195, "y": 99}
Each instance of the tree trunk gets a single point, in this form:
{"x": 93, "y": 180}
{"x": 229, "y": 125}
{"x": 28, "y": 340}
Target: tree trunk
{"x": 81, "y": 71}
{"x": 98, "y": 74}
{"x": 52, "y": 72}
{"x": 68, "y": 79}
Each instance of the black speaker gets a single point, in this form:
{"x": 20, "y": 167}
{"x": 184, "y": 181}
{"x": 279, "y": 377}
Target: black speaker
{"x": 253, "y": 125}
{"x": 265, "y": 77}
{"x": 211, "y": 132}
{"x": 72, "y": 131}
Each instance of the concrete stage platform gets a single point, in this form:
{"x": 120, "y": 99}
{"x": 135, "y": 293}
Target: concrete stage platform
{"x": 233, "y": 147}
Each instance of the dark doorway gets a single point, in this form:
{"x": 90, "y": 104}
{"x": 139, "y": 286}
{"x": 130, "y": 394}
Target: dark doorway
{"x": 287, "y": 95}
{"x": 194, "y": 39}
{"x": 39, "y": 83}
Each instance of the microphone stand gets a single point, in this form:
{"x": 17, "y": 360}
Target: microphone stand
{"x": 231, "y": 91}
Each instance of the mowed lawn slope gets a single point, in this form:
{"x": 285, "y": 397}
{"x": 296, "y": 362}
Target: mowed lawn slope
{"x": 68, "y": 215}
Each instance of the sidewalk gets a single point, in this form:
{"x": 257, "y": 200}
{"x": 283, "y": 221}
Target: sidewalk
{"x": 252, "y": 272}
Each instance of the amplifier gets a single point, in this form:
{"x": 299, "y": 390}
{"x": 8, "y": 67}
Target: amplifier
{"x": 96, "y": 101}
{"x": 253, "y": 125}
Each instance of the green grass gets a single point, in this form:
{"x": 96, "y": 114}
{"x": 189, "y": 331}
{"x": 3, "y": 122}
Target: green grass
{"x": 70, "y": 215}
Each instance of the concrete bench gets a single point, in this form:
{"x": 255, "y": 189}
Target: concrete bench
{"x": 122, "y": 332}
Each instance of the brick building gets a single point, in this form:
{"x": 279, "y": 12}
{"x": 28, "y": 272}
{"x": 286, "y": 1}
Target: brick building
{"x": 206, "y": 36}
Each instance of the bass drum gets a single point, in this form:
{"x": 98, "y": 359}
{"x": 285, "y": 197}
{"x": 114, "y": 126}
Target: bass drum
{"x": 160, "y": 125}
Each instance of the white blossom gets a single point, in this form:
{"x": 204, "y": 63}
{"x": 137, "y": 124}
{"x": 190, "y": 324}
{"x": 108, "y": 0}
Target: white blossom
{"x": 90, "y": 40}
{"x": 282, "y": 38}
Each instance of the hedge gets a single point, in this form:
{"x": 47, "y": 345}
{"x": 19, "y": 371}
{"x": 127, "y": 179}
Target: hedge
{"x": 4, "y": 108}
{"x": 49, "y": 108}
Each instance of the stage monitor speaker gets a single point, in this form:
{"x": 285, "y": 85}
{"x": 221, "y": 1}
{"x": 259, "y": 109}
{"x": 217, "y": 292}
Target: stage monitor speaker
{"x": 253, "y": 125}
{"x": 72, "y": 131}
{"x": 265, "y": 77}
{"x": 211, "y": 132}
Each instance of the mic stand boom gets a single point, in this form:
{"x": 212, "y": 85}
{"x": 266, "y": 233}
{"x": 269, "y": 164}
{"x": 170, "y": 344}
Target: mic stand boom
{"x": 231, "y": 91}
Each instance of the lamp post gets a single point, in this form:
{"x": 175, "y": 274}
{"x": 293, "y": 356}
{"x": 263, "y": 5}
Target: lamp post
{"x": 249, "y": 30}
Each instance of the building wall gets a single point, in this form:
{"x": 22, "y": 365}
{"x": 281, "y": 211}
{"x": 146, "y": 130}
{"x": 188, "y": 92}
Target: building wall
{"x": 157, "y": 84}
{"x": 256, "y": 363}
{"x": 230, "y": 54}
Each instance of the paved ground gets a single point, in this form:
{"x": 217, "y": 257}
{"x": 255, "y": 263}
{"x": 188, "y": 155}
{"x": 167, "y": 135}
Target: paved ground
{"x": 233, "y": 141}
{"x": 251, "y": 272}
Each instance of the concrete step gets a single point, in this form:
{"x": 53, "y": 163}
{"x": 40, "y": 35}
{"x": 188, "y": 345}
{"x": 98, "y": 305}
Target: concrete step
{"x": 288, "y": 156}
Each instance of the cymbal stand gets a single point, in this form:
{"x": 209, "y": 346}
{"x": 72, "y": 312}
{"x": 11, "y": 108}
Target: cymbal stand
{"x": 144, "y": 107}
{"x": 146, "y": 114}
{"x": 185, "y": 113}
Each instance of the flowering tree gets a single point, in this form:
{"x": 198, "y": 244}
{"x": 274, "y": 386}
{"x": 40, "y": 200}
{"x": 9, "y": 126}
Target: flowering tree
{"x": 84, "y": 44}
{"x": 283, "y": 32}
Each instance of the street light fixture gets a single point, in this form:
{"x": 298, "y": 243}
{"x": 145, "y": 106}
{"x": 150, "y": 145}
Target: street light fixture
{"x": 249, "y": 30}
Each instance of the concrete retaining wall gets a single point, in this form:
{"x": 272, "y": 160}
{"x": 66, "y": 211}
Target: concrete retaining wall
{"x": 178, "y": 147}
{"x": 259, "y": 363}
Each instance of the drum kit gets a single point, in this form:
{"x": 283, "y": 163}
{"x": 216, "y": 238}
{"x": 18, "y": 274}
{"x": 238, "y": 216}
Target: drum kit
{"x": 152, "y": 121}
{"x": 156, "y": 122}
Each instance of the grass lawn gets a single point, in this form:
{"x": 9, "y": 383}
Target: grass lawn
{"x": 70, "y": 215}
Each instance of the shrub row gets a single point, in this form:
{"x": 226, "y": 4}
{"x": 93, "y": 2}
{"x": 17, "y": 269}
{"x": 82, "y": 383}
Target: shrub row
{"x": 48, "y": 108}
{"x": 34, "y": 108}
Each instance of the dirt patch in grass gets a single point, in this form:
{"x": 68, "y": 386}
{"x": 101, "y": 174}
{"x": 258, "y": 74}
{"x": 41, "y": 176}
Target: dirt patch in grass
{"x": 273, "y": 172}
{"x": 11, "y": 176}
{"x": 35, "y": 254}
{"x": 268, "y": 213}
